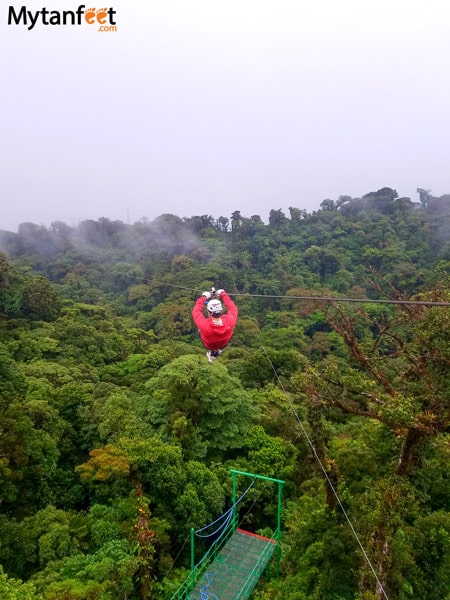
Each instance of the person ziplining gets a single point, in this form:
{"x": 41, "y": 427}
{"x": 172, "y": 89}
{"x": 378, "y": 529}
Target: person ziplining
{"x": 215, "y": 330}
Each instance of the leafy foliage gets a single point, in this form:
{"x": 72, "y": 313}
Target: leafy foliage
{"x": 117, "y": 435}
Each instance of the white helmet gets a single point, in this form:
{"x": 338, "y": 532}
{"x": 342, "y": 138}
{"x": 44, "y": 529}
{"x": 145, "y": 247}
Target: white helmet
{"x": 214, "y": 307}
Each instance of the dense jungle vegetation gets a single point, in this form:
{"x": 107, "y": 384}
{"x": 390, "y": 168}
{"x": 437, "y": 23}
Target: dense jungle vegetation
{"x": 117, "y": 436}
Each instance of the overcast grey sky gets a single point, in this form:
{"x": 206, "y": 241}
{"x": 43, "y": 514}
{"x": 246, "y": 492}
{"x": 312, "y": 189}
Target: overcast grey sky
{"x": 199, "y": 107}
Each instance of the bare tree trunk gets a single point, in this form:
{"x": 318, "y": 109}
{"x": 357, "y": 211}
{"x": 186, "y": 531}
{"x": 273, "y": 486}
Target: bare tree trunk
{"x": 317, "y": 434}
{"x": 382, "y": 570}
{"x": 406, "y": 458}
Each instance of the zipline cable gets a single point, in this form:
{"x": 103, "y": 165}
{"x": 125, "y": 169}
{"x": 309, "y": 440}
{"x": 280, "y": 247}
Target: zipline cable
{"x": 310, "y": 298}
{"x": 347, "y": 299}
{"x": 324, "y": 471}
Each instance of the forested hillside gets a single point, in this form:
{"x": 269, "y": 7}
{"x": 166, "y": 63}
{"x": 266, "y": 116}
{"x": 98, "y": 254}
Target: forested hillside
{"x": 117, "y": 436}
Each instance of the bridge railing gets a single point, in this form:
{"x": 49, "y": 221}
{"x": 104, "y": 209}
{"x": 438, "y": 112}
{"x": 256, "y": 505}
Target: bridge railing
{"x": 196, "y": 573}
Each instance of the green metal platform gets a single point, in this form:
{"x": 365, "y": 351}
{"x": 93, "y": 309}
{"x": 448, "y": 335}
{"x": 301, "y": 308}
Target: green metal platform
{"x": 234, "y": 563}
{"x": 236, "y": 569}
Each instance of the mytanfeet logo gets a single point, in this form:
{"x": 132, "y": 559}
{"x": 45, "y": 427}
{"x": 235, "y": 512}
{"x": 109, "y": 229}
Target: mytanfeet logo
{"x": 103, "y": 18}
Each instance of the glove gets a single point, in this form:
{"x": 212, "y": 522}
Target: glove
{"x": 219, "y": 293}
{"x": 207, "y": 295}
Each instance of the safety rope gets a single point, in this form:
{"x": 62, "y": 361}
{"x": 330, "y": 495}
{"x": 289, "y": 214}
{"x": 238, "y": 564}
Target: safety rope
{"x": 228, "y": 514}
{"x": 205, "y": 594}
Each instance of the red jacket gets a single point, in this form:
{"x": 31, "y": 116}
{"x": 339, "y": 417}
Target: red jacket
{"x": 215, "y": 333}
